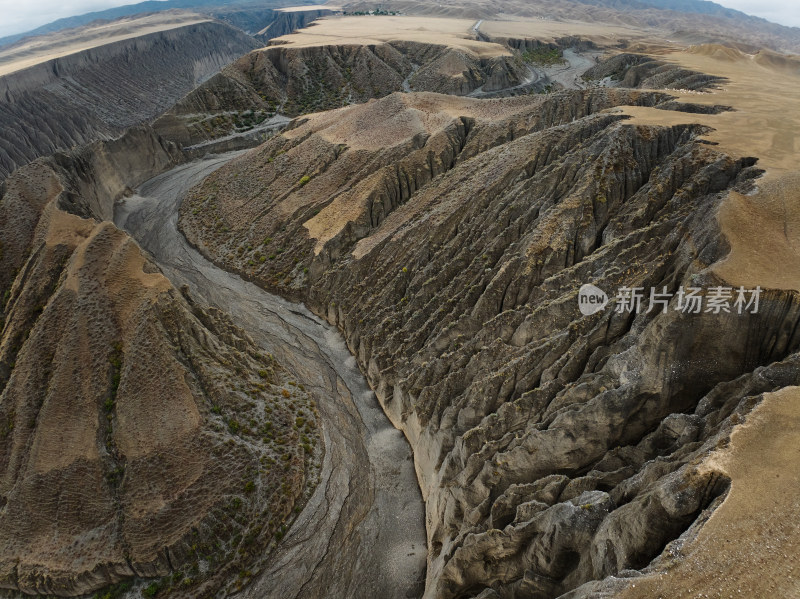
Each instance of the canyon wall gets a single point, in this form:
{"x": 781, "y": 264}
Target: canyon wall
{"x": 141, "y": 435}
{"x": 97, "y": 93}
{"x": 447, "y": 239}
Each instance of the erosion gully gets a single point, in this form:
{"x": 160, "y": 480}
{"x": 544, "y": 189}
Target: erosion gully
{"x": 362, "y": 533}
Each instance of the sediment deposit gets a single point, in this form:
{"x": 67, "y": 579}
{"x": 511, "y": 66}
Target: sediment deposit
{"x": 558, "y": 452}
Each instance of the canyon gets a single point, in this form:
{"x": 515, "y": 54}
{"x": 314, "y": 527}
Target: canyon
{"x": 314, "y": 331}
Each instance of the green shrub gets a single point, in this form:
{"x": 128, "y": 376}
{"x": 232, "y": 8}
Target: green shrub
{"x": 113, "y": 591}
{"x": 543, "y": 56}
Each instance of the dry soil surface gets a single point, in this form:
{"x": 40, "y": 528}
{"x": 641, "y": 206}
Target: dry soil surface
{"x": 754, "y": 535}
{"x": 762, "y": 89}
{"x": 365, "y": 30}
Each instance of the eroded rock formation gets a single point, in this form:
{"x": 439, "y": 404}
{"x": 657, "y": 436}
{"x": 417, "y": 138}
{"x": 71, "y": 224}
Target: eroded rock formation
{"x": 97, "y": 93}
{"x": 307, "y": 79}
{"x": 639, "y": 70}
{"x": 285, "y": 22}
{"x": 447, "y": 239}
{"x": 142, "y": 435}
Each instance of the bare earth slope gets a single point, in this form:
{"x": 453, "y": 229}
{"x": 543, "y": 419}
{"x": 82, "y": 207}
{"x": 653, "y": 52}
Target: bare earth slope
{"x": 100, "y": 88}
{"x": 344, "y": 60}
{"x": 447, "y": 239}
{"x": 37, "y": 50}
{"x": 632, "y": 453}
{"x": 141, "y": 435}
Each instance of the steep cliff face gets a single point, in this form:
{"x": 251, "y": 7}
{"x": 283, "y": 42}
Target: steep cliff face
{"x": 448, "y": 240}
{"x": 249, "y": 18}
{"x": 85, "y": 182}
{"x": 299, "y": 80}
{"x": 97, "y": 93}
{"x": 638, "y": 70}
{"x": 142, "y": 435}
{"x": 289, "y": 21}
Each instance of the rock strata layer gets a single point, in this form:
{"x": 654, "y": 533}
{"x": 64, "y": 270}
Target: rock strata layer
{"x": 296, "y": 81}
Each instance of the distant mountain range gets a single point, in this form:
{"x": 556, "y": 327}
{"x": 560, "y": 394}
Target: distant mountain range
{"x": 703, "y": 7}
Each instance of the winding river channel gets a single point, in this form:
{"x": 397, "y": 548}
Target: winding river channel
{"x": 362, "y": 533}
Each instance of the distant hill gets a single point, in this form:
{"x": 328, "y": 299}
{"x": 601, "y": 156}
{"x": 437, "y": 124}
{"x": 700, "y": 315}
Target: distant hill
{"x": 691, "y": 21}
{"x": 703, "y": 7}
{"x": 100, "y": 91}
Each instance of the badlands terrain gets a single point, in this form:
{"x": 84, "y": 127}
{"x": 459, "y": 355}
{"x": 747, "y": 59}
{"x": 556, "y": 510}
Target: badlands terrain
{"x": 93, "y": 83}
{"x": 302, "y": 320}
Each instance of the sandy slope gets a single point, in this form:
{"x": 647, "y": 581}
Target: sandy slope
{"x": 748, "y": 546}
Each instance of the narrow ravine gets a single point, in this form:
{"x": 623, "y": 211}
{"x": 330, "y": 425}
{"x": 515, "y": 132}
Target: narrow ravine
{"x": 362, "y": 533}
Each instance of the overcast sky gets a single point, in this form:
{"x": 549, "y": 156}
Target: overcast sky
{"x": 785, "y": 12}
{"x": 17, "y": 16}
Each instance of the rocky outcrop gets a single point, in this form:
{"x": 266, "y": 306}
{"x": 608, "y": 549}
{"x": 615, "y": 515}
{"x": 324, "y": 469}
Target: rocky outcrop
{"x": 528, "y": 44}
{"x": 639, "y": 70}
{"x": 248, "y": 17}
{"x": 97, "y": 93}
{"x": 142, "y": 435}
{"x": 339, "y": 180}
{"x": 553, "y": 449}
{"x": 85, "y": 182}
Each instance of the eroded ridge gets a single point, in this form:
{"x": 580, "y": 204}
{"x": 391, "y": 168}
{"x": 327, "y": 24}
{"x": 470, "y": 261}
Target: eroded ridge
{"x": 553, "y": 450}
{"x": 142, "y": 435}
